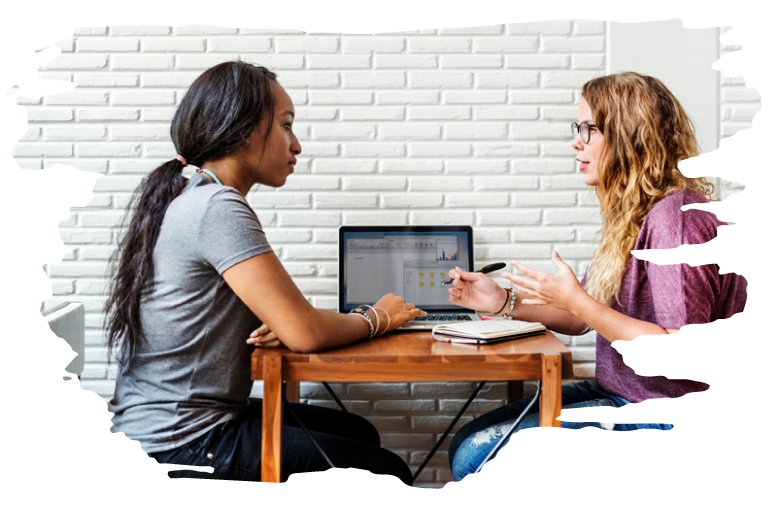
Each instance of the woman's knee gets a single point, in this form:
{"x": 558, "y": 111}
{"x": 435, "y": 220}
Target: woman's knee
{"x": 469, "y": 455}
{"x": 458, "y": 439}
{"x": 363, "y": 430}
{"x": 335, "y": 422}
{"x": 355, "y": 427}
{"x": 343, "y": 453}
{"x": 486, "y": 421}
{"x": 399, "y": 469}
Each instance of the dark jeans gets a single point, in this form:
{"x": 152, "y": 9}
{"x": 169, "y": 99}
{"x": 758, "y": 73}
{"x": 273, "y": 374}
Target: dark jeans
{"x": 233, "y": 449}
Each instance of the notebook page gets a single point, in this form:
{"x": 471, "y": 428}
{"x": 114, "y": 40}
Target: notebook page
{"x": 490, "y": 326}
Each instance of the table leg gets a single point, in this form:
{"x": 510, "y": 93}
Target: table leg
{"x": 272, "y": 420}
{"x": 551, "y": 390}
{"x": 514, "y": 391}
{"x": 292, "y": 390}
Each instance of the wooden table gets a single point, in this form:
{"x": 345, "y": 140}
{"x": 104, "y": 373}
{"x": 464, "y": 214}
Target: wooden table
{"x": 406, "y": 357}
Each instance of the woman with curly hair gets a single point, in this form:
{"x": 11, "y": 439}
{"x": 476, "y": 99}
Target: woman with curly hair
{"x": 630, "y": 136}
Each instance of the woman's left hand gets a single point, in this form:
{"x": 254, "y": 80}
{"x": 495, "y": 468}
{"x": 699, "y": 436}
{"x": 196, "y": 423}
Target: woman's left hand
{"x": 264, "y": 337}
{"x": 558, "y": 290}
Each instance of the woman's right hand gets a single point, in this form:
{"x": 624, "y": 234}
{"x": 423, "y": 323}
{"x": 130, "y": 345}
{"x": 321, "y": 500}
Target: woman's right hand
{"x": 264, "y": 337}
{"x": 398, "y": 311}
{"x": 475, "y": 291}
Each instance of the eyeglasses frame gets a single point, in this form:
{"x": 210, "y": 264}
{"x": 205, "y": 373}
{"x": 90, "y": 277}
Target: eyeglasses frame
{"x": 576, "y": 129}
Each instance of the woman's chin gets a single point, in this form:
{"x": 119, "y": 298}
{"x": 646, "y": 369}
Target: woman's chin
{"x": 275, "y": 183}
{"x": 589, "y": 179}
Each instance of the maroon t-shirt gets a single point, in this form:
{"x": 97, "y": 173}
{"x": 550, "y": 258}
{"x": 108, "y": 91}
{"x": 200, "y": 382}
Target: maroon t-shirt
{"x": 669, "y": 295}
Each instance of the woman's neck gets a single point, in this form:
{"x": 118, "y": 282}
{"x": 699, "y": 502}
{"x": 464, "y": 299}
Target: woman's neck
{"x": 230, "y": 173}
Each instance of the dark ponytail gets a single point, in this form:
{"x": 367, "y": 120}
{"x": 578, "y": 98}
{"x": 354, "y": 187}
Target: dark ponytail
{"x": 216, "y": 117}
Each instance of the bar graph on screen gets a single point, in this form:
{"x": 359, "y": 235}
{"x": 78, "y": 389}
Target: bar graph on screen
{"x": 447, "y": 248}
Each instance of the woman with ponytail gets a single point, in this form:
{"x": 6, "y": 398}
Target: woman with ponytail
{"x": 197, "y": 285}
{"x": 630, "y": 136}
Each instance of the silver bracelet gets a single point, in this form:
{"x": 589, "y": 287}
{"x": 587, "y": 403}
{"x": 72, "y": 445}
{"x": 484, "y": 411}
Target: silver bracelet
{"x": 512, "y": 303}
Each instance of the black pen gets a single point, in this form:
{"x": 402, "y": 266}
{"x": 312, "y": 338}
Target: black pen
{"x": 485, "y": 270}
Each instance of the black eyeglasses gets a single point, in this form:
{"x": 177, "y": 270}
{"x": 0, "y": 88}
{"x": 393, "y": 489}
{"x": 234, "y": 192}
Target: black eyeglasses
{"x": 584, "y": 129}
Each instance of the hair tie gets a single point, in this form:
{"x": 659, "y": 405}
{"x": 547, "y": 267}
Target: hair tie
{"x": 181, "y": 159}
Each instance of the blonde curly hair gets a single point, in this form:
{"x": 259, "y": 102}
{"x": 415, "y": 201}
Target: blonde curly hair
{"x": 646, "y": 134}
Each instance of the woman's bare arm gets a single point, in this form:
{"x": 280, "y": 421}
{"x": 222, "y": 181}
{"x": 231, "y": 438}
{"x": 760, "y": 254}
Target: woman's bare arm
{"x": 553, "y": 318}
{"x": 262, "y": 283}
{"x": 562, "y": 291}
{"x": 479, "y": 292}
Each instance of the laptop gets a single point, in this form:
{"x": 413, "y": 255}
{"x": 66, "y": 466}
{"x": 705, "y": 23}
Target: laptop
{"x": 410, "y": 261}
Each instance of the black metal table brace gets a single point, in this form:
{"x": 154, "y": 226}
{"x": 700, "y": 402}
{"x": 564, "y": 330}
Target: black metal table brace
{"x": 442, "y": 438}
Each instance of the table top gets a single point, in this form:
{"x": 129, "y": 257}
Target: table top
{"x": 417, "y": 356}
{"x": 407, "y": 357}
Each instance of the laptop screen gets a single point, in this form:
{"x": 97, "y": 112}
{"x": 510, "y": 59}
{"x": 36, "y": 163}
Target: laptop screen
{"x": 411, "y": 262}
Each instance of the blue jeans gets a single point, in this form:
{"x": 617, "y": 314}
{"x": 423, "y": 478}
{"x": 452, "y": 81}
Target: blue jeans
{"x": 233, "y": 448}
{"x": 476, "y": 439}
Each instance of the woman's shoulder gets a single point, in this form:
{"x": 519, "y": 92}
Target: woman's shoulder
{"x": 672, "y": 203}
{"x": 667, "y": 218}
{"x": 670, "y": 208}
{"x": 200, "y": 194}
{"x": 202, "y": 199}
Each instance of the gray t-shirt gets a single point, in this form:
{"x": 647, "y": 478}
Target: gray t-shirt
{"x": 192, "y": 369}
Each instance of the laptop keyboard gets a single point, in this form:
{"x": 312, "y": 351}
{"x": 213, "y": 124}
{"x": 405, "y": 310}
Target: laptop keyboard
{"x": 444, "y": 317}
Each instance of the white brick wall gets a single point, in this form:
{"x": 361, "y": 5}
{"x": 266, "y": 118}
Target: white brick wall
{"x": 460, "y": 126}
{"x": 738, "y": 105}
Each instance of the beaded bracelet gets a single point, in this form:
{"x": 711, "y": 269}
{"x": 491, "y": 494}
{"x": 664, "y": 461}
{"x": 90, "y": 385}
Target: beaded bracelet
{"x": 378, "y": 323}
{"x": 368, "y": 319}
{"x": 512, "y": 304}
{"x": 358, "y": 311}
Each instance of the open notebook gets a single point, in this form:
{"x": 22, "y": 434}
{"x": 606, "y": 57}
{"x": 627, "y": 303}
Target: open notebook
{"x": 486, "y": 332}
